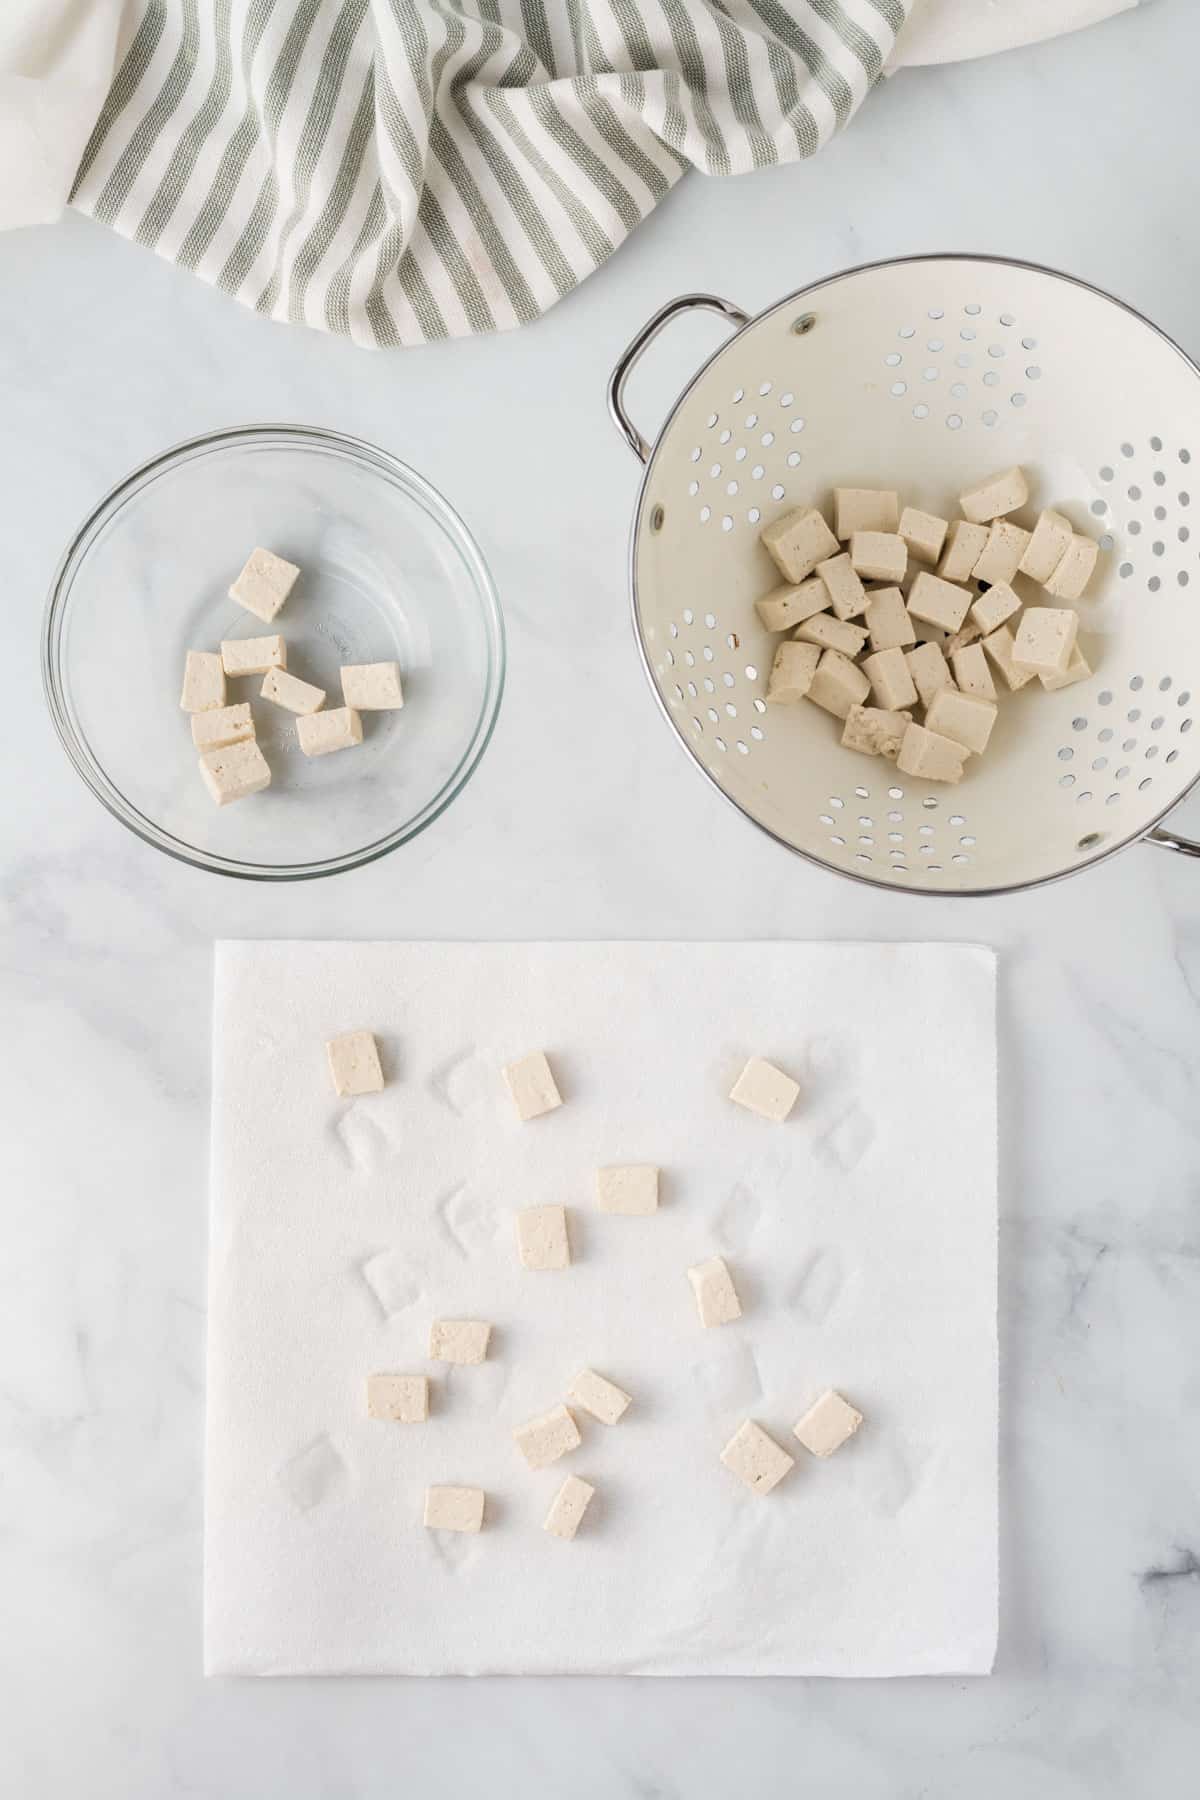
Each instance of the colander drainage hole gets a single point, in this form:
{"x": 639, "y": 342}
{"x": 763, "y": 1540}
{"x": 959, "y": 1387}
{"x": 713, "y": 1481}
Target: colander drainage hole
{"x": 1089, "y": 840}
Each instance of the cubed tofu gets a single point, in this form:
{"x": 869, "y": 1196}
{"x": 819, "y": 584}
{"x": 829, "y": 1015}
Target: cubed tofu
{"x": 847, "y": 595}
{"x": 454, "y": 1508}
{"x": 628, "y": 1188}
{"x": 1001, "y": 557}
{"x": 543, "y": 1440}
{"x": 865, "y": 509}
{"x": 716, "y": 1297}
{"x": 1047, "y": 546}
{"x": 924, "y": 533}
{"x": 337, "y": 728}
{"x": 568, "y": 1507}
{"x": 832, "y": 634}
{"x": 264, "y": 584}
{"x": 598, "y": 1396}
{"x": 798, "y": 541}
{"x": 929, "y": 756}
{"x": 889, "y": 622}
{"x": 792, "y": 672}
{"x": 253, "y": 656}
{"x": 755, "y": 1458}
{"x": 542, "y": 1241}
{"x": 401, "y": 1399}
{"x": 964, "y": 718}
{"x": 964, "y": 546}
{"x": 1077, "y": 669}
{"x": 354, "y": 1063}
{"x": 929, "y": 670}
{"x": 938, "y": 602}
{"x": 999, "y": 646}
{"x": 891, "y": 681}
{"x": 879, "y": 555}
{"x": 971, "y": 672}
{"x": 991, "y": 499}
{"x": 203, "y": 682}
{"x": 223, "y": 725}
{"x": 827, "y": 1424}
{"x": 531, "y": 1083}
{"x": 289, "y": 691}
{"x": 838, "y": 684}
{"x": 875, "y": 732}
{"x": 236, "y": 771}
{"x": 996, "y": 607}
{"x": 1045, "y": 639}
{"x": 763, "y": 1089}
{"x": 372, "y": 687}
{"x": 461, "y": 1341}
{"x": 1070, "y": 578}
{"x": 785, "y": 607}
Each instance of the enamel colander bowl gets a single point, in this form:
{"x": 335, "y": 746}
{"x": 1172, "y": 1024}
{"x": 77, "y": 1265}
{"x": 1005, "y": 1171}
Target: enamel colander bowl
{"x": 926, "y": 375}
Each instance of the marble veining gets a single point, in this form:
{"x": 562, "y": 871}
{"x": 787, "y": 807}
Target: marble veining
{"x": 585, "y": 822}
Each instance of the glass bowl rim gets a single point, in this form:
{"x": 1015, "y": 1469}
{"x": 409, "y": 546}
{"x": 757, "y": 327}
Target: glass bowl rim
{"x": 74, "y": 559}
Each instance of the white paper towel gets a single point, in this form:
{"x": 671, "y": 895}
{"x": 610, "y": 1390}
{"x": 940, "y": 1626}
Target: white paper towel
{"x": 861, "y": 1233}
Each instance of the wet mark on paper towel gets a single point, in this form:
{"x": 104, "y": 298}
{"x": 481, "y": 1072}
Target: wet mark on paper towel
{"x": 828, "y": 1065}
{"x": 819, "y": 1284}
{"x": 361, "y": 1139}
{"x": 393, "y": 1281}
{"x": 891, "y": 1477}
{"x": 455, "y": 1550}
{"x": 315, "y": 1475}
{"x": 480, "y": 1385}
{"x": 468, "y": 1220}
{"x": 463, "y": 1081}
{"x": 847, "y": 1140}
{"x": 729, "y": 1381}
{"x": 738, "y": 1217}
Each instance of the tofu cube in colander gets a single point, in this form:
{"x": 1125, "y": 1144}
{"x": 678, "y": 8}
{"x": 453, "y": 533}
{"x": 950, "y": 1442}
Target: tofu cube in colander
{"x": 1045, "y": 639}
{"x": 929, "y": 670}
{"x": 923, "y": 532}
{"x": 964, "y": 718}
{"x": 787, "y": 606}
{"x": 1046, "y": 548}
{"x": 1001, "y": 557}
{"x": 792, "y": 672}
{"x": 928, "y": 756}
{"x": 847, "y": 595}
{"x": 874, "y": 732}
{"x": 1073, "y": 573}
{"x": 964, "y": 546}
{"x": 991, "y": 499}
{"x": 888, "y": 620}
{"x": 838, "y": 684}
{"x": 798, "y": 541}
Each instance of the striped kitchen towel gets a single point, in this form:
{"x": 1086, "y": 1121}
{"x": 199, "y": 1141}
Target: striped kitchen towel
{"x": 402, "y": 170}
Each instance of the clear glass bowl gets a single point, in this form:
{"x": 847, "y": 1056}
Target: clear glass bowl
{"x": 389, "y": 571}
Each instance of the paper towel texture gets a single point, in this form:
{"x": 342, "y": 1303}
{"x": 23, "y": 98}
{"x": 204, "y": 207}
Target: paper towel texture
{"x": 861, "y": 1234}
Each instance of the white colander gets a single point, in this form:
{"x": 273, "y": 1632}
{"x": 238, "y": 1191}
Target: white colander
{"x": 926, "y": 375}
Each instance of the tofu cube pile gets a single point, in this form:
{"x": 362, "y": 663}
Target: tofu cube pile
{"x": 913, "y": 665}
{"x": 231, "y": 763}
{"x": 752, "y": 1454}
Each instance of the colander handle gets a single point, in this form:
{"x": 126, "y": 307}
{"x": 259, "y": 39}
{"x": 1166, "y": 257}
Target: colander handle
{"x": 1170, "y": 840}
{"x": 649, "y": 331}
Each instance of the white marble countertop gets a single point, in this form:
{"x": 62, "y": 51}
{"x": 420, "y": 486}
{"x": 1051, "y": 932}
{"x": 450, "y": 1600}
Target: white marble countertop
{"x": 585, "y": 821}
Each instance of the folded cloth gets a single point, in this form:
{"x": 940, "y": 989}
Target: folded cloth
{"x": 942, "y": 31}
{"x": 56, "y": 65}
{"x": 400, "y": 170}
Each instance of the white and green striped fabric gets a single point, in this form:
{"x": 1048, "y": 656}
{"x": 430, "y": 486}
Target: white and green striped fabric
{"x": 402, "y": 170}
